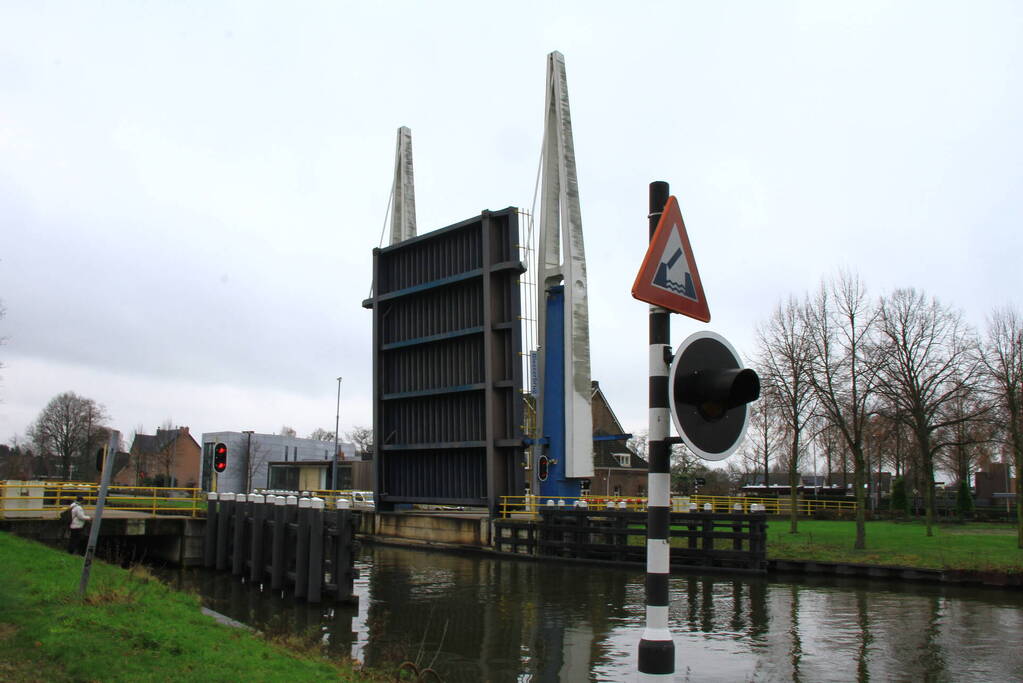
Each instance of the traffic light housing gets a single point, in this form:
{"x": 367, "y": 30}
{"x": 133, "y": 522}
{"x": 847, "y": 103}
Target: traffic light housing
{"x": 708, "y": 391}
{"x": 220, "y": 457}
{"x": 542, "y": 468}
{"x": 101, "y": 453}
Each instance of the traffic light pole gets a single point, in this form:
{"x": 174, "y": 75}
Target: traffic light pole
{"x": 97, "y": 514}
{"x": 656, "y": 648}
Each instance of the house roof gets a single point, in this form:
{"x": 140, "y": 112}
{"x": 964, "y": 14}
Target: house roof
{"x": 155, "y": 443}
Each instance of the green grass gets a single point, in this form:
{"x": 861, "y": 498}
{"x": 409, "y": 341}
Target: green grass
{"x": 162, "y": 504}
{"x": 130, "y": 627}
{"x": 975, "y": 546}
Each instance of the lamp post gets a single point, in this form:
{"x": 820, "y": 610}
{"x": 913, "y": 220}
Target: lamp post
{"x": 337, "y": 426}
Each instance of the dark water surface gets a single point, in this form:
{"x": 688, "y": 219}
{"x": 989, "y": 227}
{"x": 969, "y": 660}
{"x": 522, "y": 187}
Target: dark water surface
{"x": 475, "y": 618}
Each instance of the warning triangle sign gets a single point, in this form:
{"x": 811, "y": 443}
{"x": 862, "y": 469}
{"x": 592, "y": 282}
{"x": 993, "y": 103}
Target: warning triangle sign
{"x": 668, "y": 276}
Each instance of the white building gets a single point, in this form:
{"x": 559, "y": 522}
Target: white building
{"x": 259, "y": 461}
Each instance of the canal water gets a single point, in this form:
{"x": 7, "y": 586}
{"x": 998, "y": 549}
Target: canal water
{"x": 474, "y": 618}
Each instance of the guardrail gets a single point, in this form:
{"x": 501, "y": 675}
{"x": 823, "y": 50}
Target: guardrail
{"x": 35, "y": 499}
{"x": 530, "y": 506}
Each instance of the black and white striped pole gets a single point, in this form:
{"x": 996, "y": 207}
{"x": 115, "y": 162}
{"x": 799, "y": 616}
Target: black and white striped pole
{"x": 656, "y": 648}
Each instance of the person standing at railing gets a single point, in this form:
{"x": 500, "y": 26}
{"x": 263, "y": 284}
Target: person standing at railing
{"x": 77, "y": 539}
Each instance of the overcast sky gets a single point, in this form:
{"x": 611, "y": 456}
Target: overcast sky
{"x": 190, "y": 191}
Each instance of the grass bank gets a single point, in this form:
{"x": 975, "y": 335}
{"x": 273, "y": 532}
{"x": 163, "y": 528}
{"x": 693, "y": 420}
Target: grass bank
{"x": 972, "y": 546}
{"x": 130, "y": 627}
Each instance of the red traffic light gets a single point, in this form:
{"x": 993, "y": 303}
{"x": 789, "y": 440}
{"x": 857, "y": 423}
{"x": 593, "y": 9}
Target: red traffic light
{"x": 220, "y": 457}
{"x": 542, "y": 467}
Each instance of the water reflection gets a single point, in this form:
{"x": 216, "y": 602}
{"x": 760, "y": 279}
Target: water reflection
{"x": 474, "y": 618}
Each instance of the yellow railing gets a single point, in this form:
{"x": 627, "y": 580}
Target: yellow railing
{"x": 529, "y": 506}
{"x": 36, "y": 499}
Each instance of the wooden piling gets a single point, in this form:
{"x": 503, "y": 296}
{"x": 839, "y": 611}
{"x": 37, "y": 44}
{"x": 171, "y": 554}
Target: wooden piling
{"x": 242, "y": 508}
{"x": 277, "y": 546}
{"x": 302, "y": 548}
{"x": 209, "y": 547}
{"x": 315, "y": 582}
{"x": 257, "y": 564}
{"x": 225, "y": 508}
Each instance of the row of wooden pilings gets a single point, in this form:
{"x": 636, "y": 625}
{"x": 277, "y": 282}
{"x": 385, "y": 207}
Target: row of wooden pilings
{"x": 283, "y": 541}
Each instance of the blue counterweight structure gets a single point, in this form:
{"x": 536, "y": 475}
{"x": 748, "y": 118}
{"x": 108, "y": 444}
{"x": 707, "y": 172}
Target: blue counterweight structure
{"x": 564, "y": 417}
{"x": 556, "y": 484}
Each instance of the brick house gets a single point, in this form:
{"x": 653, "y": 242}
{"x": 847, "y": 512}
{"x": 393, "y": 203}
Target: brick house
{"x": 617, "y": 470}
{"x": 168, "y": 458}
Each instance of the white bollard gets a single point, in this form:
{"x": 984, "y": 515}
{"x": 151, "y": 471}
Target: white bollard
{"x": 610, "y": 505}
{"x": 316, "y": 503}
{"x": 707, "y": 507}
{"x": 343, "y": 504}
{"x": 291, "y": 500}
{"x": 550, "y": 502}
{"x": 561, "y": 502}
{"x": 211, "y": 496}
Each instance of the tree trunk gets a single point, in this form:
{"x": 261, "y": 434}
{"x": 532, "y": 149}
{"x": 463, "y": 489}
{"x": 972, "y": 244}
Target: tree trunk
{"x": 859, "y": 478}
{"x": 1019, "y": 495}
{"x": 793, "y": 501}
{"x": 927, "y": 463}
{"x": 794, "y": 484}
{"x": 1016, "y": 430}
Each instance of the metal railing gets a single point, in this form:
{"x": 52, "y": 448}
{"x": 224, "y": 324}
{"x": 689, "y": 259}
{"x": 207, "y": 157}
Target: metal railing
{"x": 529, "y": 506}
{"x": 41, "y": 499}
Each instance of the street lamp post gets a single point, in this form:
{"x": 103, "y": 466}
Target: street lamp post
{"x": 337, "y": 426}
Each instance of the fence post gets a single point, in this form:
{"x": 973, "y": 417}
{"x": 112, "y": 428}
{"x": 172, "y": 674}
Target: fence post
{"x": 737, "y": 527}
{"x": 707, "y": 533}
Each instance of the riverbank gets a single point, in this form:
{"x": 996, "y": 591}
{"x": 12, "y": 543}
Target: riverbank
{"x": 130, "y": 627}
{"x": 975, "y": 547}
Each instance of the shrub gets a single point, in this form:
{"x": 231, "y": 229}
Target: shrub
{"x": 899, "y": 500}
{"x": 964, "y": 500}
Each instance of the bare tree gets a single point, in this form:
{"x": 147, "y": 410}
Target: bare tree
{"x": 362, "y": 437}
{"x": 970, "y": 437}
{"x": 832, "y": 447}
{"x": 68, "y": 427}
{"x": 320, "y": 434}
{"x": 1003, "y": 363}
{"x": 684, "y": 467}
{"x": 288, "y": 431}
{"x": 763, "y": 439}
{"x": 165, "y": 457}
{"x": 841, "y": 324}
{"x": 927, "y": 362}
{"x": 784, "y": 360}
{"x": 256, "y": 454}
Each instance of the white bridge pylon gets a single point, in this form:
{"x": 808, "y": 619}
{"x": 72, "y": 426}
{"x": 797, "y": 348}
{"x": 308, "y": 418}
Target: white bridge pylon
{"x": 403, "y": 191}
{"x": 562, "y": 260}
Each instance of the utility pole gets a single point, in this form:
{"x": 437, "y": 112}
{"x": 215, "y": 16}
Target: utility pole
{"x": 337, "y": 426}
{"x": 109, "y": 452}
